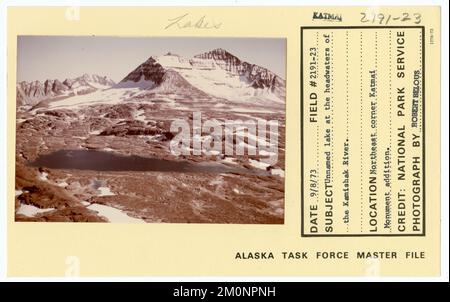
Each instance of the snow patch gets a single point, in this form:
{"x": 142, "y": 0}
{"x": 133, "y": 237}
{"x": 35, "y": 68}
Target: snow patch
{"x": 210, "y": 152}
{"x": 19, "y": 192}
{"x": 80, "y": 137}
{"x": 43, "y": 176}
{"x": 278, "y": 172}
{"x": 113, "y": 214}
{"x": 258, "y": 164}
{"x": 31, "y": 211}
{"x": 266, "y": 153}
{"x": 139, "y": 115}
{"x": 105, "y": 191}
{"x": 229, "y": 160}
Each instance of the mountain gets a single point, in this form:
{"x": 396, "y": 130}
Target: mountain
{"x": 147, "y": 75}
{"x": 217, "y": 73}
{"x": 30, "y": 93}
{"x": 86, "y": 80}
{"x": 256, "y": 76}
{"x": 216, "y": 77}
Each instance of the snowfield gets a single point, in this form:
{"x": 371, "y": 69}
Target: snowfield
{"x": 109, "y": 96}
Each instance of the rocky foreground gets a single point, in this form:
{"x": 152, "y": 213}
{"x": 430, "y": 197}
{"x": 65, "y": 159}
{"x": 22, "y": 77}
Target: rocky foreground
{"x": 250, "y": 193}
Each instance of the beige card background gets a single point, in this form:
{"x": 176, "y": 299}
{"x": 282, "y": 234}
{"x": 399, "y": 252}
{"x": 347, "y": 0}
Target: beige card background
{"x": 95, "y": 249}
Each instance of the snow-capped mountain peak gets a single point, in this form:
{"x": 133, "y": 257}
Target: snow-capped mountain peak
{"x": 217, "y": 73}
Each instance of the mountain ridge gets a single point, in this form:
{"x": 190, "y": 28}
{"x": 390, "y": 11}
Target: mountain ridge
{"x": 30, "y": 93}
{"x": 246, "y": 79}
{"x": 215, "y": 74}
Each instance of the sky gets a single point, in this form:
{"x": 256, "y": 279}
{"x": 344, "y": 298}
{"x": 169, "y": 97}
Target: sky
{"x": 61, "y": 57}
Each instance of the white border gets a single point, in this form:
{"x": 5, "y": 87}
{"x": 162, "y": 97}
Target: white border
{"x": 444, "y": 130}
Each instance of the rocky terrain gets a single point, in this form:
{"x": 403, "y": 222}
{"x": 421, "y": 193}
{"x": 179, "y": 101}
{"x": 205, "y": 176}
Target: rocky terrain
{"x": 104, "y": 155}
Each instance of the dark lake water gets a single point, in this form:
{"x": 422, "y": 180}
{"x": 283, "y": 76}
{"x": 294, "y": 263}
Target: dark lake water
{"x": 108, "y": 161}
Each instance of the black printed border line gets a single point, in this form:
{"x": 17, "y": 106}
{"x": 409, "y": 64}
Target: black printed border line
{"x": 303, "y": 234}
